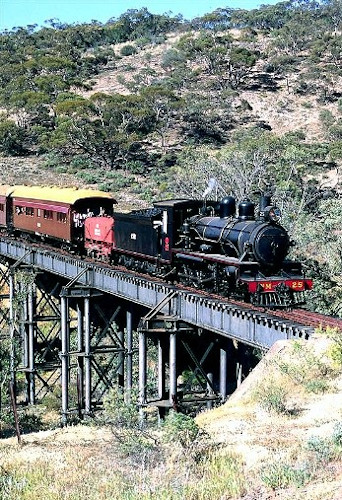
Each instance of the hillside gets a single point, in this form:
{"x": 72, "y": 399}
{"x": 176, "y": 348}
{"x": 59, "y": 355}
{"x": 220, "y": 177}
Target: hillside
{"x": 283, "y": 427}
{"x": 150, "y": 107}
{"x": 272, "y": 99}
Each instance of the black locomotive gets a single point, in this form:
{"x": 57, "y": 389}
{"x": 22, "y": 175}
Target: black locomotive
{"x": 207, "y": 246}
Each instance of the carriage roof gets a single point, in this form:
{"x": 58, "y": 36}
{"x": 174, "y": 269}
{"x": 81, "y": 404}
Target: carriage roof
{"x": 56, "y": 194}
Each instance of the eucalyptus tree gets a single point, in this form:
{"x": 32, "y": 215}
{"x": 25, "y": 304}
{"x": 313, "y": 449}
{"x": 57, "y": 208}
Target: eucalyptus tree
{"x": 108, "y": 130}
{"x": 218, "y": 56}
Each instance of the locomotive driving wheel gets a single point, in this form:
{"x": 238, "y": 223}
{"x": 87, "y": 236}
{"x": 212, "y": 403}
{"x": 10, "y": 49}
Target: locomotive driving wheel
{"x": 197, "y": 278}
{"x": 284, "y": 294}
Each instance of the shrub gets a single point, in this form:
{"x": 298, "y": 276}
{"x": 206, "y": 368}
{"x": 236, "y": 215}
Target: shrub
{"x": 129, "y": 428}
{"x": 317, "y": 386}
{"x": 88, "y": 177}
{"x": 142, "y": 41}
{"x": 337, "y": 434}
{"x": 128, "y": 50}
{"x": 322, "y": 448}
{"x": 281, "y": 475}
{"x": 181, "y": 429}
{"x": 81, "y": 163}
{"x": 136, "y": 167}
{"x": 172, "y": 57}
{"x": 271, "y": 397}
{"x": 305, "y": 368}
{"x": 335, "y": 351}
{"x": 11, "y": 138}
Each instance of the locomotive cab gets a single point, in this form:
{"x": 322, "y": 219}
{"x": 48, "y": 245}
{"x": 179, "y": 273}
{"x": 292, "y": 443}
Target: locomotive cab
{"x": 176, "y": 214}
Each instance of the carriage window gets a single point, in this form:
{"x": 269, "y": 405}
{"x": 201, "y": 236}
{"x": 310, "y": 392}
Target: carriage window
{"x": 2, "y": 207}
{"x": 38, "y": 212}
{"x": 29, "y": 211}
{"x": 61, "y": 217}
{"x": 48, "y": 214}
{"x": 18, "y": 210}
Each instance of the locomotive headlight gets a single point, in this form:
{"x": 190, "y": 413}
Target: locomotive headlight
{"x": 272, "y": 214}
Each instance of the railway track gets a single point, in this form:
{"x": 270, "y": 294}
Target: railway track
{"x": 309, "y": 318}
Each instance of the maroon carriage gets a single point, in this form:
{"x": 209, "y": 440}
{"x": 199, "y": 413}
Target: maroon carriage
{"x": 56, "y": 213}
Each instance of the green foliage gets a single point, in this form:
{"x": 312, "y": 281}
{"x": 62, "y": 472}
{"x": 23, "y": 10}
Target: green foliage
{"x": 136, "y": 167}
{"x": 326, "y": 449}
{"x": 254, "y": 160}
{"x": 180, "y": 428}
{"x": 281, "y": 63}
{"x": 281, "y": 475}
{"x": 305, "y": 368}
{"x": 220, "y": 57}
{"x": 194, "y": 101}
{"x": 337, "y": 435}
{"x": 128, "y": 50}
{"x": 335, "y": 351}
{"x": 271, "y": 397}
{"x": 121, "y": 413}
{"x": 172, "y": 58}
{"x": 12, "y": 138}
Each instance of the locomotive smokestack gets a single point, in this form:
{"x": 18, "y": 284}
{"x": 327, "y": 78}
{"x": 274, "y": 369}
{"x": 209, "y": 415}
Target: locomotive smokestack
{"x": 264, "y": 201}
{"x": 246, "y": 210}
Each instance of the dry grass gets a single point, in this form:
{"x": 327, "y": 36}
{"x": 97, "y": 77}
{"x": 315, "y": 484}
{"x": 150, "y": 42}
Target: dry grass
{"x": 31, "y": 171}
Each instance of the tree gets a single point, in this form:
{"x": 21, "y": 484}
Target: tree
{"x": 219, "y": 57}
{"x": 11, "y": 138}
{"x": 332, "y": 13}
{"x": 256, "y": 161}
{"x": 106, "y": 129}
{"x": 208, "y": 118}
{"x": 164, "y": 104}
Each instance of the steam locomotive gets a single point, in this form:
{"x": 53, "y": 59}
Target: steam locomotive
{"x": 207, "y": 246}
{"x": 212, "y": 246}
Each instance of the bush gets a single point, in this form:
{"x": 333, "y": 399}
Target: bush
{"x": 271, "y": 397}
{"x": 136, "y": 167}
{"x": 129, "y": 429}
{"x": 322, "y": 448}
{"x": 81, "y": 163}
{"x": 337, "y": 434}
{"x": 306, "y": 368}
{"x": 88, "y": 177}
{"x": 12, "y": 138}
{"x": 128, "y": 50}
{"x": 280, "y": 475}
{"x": 181, "y": 429}
{"x": 172, "y": 57}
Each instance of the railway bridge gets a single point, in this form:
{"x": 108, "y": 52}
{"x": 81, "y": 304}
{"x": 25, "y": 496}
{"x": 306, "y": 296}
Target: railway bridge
{"x": 84, "y": 327}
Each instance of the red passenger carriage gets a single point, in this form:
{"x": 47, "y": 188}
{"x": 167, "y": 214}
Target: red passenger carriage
{"x": 52, "y": 213}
